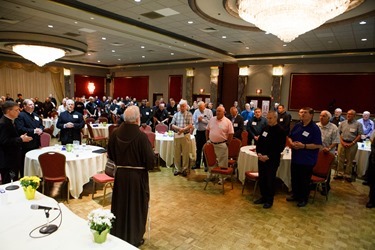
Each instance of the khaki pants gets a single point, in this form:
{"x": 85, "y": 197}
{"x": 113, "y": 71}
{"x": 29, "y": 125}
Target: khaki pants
{"x": 182, "y": 146}
{"x": 347, "y": 154}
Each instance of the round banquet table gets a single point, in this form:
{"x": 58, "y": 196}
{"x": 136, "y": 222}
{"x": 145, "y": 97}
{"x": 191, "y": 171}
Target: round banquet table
{"x": 81, "y": 164}
{"x": 165, "y": 146}
{"x": 362, "y": 157}
{"x": 98, "y": 130}
{"x": 248, "y": 161}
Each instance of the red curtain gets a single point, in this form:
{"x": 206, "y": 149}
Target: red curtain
{"x": 136, "y": 86}
{"x": 96, "y": 84}
{"x": 175, "y": 87}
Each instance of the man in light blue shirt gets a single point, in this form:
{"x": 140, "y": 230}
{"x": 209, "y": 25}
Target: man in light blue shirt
{"x": 201, "y": 117}
{"x": 368, "y": 125}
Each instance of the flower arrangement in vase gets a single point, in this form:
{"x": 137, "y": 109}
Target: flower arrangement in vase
{"x": 100, "y": 222}
{"x": 29, "y": 185}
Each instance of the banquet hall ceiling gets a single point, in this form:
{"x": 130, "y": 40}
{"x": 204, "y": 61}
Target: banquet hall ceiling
{"x": 127, "y": 33}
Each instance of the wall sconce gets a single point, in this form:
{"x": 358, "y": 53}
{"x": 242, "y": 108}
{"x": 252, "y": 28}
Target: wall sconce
{"x": 66, "y": 72}
{"x": 91, "y": 87}
{"x": 244, "y": 71}
{"x": 277, "y": 70}
{"x": 258, "y": 91}
{"x": 201, "y": 91}
{"x": 190, "y": 72}
{"x": 214, "y": 71}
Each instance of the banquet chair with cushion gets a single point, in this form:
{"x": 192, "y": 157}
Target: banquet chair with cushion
{"x": 101, "y": 140}
{"x": 102, "y": 119}
{"x": 251, "y": 176}
{"x": 53, "y": 169}
{"x": 233, "y": 152}
{"x": 222, "y": 171}
{"x": 244, "y": 136}
{"x": 53, "y": 114}
{"x": 49, "y": 130}
{"x": 89, "y": 120}
{"x": 161, "y": 128}
{"x": 152, "y": 137}
{"x": 321, "y": 171}
{"x": 45, "y": 140}
{"x": 105, "y": 179}
{"x": 145, "y": 128}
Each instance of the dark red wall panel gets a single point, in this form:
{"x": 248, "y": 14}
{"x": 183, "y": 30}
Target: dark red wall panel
{"x": 82, "y": 83}
{"x": 175, "y": 87}
{"x": 136, "y": 86}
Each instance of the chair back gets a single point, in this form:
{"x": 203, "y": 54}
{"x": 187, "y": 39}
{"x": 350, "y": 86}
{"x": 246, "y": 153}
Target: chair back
{"x": 53, "y": 166}
{"x": 53, "y": 114}
{"x": 234, "y": 148}
{"x": 145, "y": 128}
{"x": 244, "y": 136}
{"x": 323, "y": 165}
{"x": 91, "y": 132}
{"x": 161, "y": 128}
{"x": 209, "y": 153}
{"x": 49, "y": 130}
{"x": 103, "y": 119}
{"x": 112, "y": 128}
{"x": 89, "y": 120}
{"x": 45, "y": 140}
{"x": 151, "y": 137}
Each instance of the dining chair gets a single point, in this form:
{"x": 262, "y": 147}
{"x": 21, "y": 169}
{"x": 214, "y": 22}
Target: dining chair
{"x": 251, "y": 176}
{"x": 49, "y": 130}
{"x": 45, "y": 140}
{"x": 233, "y": 152}
{"x": 101, "y": 140}
{"x": 105, "y": 179}
{"x": 152, "y": 137}
{"x": 145, "y": 128}
{"x": 89, "y": 120}
{"x": 112, "y": 128}
{"x": 214, "y": 169}
{"x": 102, "y": 119}
{"x": 52, "y": 165}
{"x": 244, "y": 136}
{"x": 321, "y": 171}
{"x": 161, "y": 128}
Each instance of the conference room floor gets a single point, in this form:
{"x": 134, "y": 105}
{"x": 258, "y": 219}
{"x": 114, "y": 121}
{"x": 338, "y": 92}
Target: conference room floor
{"x": 184, "y": 216}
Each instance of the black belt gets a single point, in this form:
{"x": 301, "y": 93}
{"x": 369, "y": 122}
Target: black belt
{"x": 218, "y": 142}
{"x": 186, "y": 133}
{"x": 347, "y": 141}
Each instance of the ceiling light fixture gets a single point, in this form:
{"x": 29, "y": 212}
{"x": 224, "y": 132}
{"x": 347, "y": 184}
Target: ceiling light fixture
{"x": 40, "y": 48}
{"x": 287, "y": 19}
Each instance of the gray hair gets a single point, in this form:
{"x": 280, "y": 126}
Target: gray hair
{"x": 328, "y": 113}
{"x": 366, "y": 113}
{"x": 69, "y": 101}
{"x": 131, "y": 114}
{"x": 338, "y": 110}
{"x": 182, "y": 102}
{"x": 273, "y": 113}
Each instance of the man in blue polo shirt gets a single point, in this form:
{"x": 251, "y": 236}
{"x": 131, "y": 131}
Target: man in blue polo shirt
{"x": 305, "y": 140}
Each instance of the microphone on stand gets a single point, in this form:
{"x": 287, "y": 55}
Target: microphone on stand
{"x": 48, "y": 228}
{"x": 12, "y": 186}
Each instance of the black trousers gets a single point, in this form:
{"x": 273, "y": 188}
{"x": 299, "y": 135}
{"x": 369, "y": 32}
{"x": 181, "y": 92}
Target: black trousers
{"x": 267, "y": 180}
{"x": 200, "y": 140}
{"x": 371, "y": 175}
{"x": 301, "y": 178}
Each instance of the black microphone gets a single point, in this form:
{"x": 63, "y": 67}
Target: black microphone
{"x": 35, "y": 206}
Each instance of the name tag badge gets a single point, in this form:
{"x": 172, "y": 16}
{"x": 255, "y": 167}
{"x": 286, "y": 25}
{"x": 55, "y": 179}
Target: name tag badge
{"x": 352, "y": 130}
{"x": 281, "y": 119}
{"x": 147, "y": 113}
{"x": 235, "y": 125}
{"x": 75, "y": 116}
{"x": 220, "y": 126}
{"x": 264, "y": 134}
{"x": 305, "y": 133}
{"x": 253, "y": 123}
{"x": 36, "y": 118}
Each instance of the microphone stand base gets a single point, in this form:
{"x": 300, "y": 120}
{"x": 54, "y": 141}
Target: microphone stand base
{"x": 12, "y": 187}
{"x": 48, "y": 229}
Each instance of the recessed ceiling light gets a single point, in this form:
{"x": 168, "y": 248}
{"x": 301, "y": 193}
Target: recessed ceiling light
{"x": 119, "y": 59}
{"x": 247, "y": 47}
{"x": 223, "y": 37}
{"x": 104, "y": 38}
{"x": 285, "y": 45}
{"x": 142, "y": 47}
{"x": 92, "y": 18}
{"x": 137, "y": 1}
{"x": 190, "y": 22}
{"x": 362, "y": 22}
{"x": 143, "y": 57}
{"x": 76, "y": 22}
{"x": 172, "y": 54}
{"x": 50, "y": 26}
{"x": 89, "y": 54}
{"x": 364, "y": 39}
{"x": 98, "y": 60}
{"x": 113, "y": 51}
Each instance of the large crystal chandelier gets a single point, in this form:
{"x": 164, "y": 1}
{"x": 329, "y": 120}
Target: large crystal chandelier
{"x": 40, "y": 55}
{"x": 287, "y": 19}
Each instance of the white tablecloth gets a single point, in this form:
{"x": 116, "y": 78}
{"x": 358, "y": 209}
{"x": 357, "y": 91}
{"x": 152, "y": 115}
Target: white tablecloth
{"x": 362, "y": 156}
{"x": 80, "y": 165}
{"x": 18, "y": 220}
{"x": 99, "y": 130}
{"x": 248, "y": 160}
{"x": 165, "y": 146}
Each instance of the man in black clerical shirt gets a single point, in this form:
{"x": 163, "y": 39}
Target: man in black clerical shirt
{"x": 270, "y": 144}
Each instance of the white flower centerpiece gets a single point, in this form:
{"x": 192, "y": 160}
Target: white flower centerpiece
{"x": 100, "y": 222}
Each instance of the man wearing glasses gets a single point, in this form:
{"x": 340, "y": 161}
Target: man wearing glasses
{"x": 10, "y": 142}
